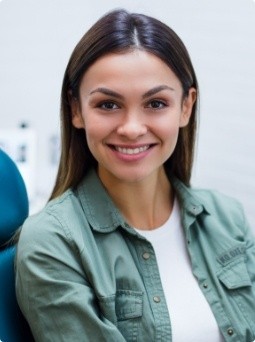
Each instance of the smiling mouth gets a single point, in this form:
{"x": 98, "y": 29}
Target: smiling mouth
{"x": 131, "y": 151}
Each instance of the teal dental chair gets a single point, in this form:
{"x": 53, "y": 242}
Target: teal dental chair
{"x": 13, "y": 212}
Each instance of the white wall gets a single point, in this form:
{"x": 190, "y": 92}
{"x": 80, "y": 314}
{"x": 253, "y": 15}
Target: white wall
{"x": 37, "y": 37}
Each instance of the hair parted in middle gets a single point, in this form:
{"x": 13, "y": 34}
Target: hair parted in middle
{"x": 120, "y": 31}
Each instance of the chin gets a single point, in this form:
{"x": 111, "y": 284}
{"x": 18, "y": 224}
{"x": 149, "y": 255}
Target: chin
{"x": 131, "y": 177}
{"x": 127, "y": 174}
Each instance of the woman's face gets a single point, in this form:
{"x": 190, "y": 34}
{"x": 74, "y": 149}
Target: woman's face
{"x": 131, "y": 107}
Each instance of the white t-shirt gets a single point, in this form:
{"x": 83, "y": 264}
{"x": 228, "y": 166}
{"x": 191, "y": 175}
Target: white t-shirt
{"x": 190, "y": 314}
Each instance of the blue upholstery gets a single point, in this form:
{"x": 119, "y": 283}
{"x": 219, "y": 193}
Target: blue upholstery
{"x": 13, "y": 211}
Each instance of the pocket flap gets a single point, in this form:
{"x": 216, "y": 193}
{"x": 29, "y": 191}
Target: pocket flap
{"x": 129, "y": 304}
{"x": 235, "y": 275}
{"x": 125, "y": 304}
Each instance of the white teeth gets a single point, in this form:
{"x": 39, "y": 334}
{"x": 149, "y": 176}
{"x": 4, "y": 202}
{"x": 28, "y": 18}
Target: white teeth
{"x": 132, "y": 150}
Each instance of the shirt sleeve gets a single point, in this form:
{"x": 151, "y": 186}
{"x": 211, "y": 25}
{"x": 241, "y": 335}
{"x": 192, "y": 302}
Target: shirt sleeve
{"x": 52, "y": 288}
{"x": 250, "y": 248}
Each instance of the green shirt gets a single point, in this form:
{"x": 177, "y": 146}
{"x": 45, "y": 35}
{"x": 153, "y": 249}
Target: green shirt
{"x": 83, "y": 274}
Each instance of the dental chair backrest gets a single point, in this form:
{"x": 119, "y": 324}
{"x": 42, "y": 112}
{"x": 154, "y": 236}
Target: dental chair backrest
{"x": 13, "y": 212}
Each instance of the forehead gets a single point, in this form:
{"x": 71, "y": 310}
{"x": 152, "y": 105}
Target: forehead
{"x": 135, "y": 67}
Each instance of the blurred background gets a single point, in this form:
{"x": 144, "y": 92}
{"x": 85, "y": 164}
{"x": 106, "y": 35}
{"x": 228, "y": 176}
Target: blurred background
{"x": 37, "y": 38}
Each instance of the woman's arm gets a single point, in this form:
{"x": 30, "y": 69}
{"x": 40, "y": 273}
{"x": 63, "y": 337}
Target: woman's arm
{"x": 52, "y": 290}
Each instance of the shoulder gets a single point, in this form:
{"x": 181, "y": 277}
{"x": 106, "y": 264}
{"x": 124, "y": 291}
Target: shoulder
{"x": 216, "y": 201}
{"x": 219, "y": 207}
{"x": 222, "y": 210}
{"x": 59, "y": 221}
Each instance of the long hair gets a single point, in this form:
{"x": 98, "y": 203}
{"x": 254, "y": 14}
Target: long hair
{"x": 120, "y": 31}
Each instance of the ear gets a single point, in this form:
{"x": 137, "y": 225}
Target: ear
{"x": 77, "y": 119}
{"x": 187, "y": 106}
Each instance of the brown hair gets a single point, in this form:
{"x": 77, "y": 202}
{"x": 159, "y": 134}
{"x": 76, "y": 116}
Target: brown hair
{"x": 119, "y": 31}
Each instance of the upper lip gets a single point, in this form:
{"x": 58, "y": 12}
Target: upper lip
{"x": 133, "y": 146}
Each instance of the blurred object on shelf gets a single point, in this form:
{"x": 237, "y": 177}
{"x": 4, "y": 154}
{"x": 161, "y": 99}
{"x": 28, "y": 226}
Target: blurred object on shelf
{"x": 21, "y": 145}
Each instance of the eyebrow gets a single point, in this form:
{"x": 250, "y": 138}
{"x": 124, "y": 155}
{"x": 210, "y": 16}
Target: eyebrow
{"x": 106, "y": 91}
{"x": 149, "y": 93}
{"x": 156, "y": 90}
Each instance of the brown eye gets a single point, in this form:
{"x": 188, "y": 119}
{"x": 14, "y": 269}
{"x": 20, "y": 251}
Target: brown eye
{"x": 108, "y": 105}
{"x": 156, "y": 104}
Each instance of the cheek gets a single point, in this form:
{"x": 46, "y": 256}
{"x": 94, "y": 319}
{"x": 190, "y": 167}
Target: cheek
{"x": 99, "y": 126}
{"x": 93, "y": 140}
{"x": 92, "y": 135}
{"x": 169, "y": 130}
{"x": 96, "y": 131}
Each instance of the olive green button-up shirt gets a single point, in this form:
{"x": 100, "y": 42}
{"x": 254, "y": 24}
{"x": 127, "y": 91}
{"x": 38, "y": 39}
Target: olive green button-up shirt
{"x": 83, "y": 274}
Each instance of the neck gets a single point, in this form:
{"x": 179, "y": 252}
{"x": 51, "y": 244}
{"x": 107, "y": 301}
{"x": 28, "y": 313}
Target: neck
{"x": 146, "y": 204}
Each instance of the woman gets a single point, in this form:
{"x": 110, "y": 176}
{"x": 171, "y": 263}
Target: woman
{"x": 126, "y": 250}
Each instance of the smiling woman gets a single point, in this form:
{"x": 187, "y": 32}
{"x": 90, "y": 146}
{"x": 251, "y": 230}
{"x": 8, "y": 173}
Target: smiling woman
{"x": 131, "y": 123}
{"x": 126, "y": 249}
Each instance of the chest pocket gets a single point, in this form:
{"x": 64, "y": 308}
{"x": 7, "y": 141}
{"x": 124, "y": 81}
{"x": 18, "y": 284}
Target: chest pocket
{"x": 235, "y": 274}
{"x": 239, "y": 294}
{"x": 124, "y": 309}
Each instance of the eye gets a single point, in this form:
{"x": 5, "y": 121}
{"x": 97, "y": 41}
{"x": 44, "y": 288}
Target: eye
{"x": 108, "y": 105}
{"x": 156, "y": 104}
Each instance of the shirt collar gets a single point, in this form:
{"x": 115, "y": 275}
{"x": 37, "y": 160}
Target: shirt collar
{"x": 189, "y": 201}
{"x": 98, "y": 206}
{"x": 103, "y": 215}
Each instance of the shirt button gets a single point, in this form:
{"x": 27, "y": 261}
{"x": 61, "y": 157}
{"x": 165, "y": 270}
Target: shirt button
{"x": 230, "y": 331}
{"x": 205, "y": 285}
{"x": 146, "y": 255}
{"x": 156, "y": 299}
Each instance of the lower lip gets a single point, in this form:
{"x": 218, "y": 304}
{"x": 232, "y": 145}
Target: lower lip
{"x": 131, "y": 157}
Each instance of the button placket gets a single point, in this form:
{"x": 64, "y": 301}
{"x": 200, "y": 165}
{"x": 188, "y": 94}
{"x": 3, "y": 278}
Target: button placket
{"x": 154, "y": 290}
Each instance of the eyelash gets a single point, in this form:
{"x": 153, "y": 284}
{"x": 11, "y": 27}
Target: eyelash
{"x": 109, "y": 105}
{"x": 103, "y": 105}
{"x": 162, "y": 104}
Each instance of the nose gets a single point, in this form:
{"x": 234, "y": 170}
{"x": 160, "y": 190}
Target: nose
{"x": 132, "y": 126}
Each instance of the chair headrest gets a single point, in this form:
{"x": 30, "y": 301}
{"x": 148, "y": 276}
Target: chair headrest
{"x": 13, "y": 198}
